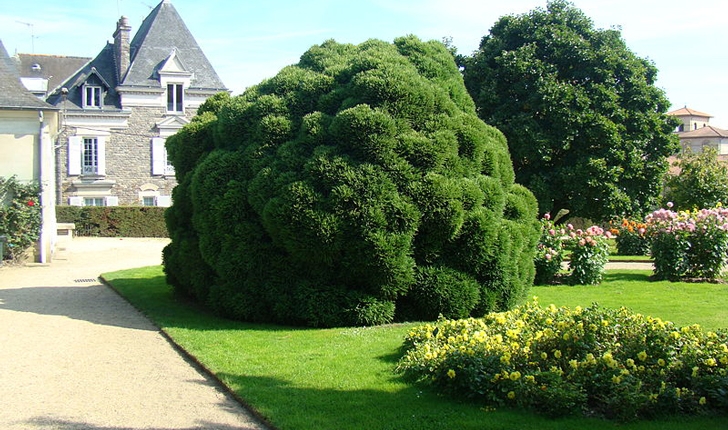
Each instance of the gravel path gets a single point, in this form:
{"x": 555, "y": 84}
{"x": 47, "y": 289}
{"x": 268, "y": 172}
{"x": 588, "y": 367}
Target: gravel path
{"x": 75, "y": 355}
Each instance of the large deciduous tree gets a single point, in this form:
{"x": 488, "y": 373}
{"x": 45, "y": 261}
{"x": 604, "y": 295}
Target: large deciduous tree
{"x": 586, "y": 126}
{"x": 355, "y": 187}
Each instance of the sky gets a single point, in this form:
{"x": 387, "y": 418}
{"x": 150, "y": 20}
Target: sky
{"x": 248, "y": 41}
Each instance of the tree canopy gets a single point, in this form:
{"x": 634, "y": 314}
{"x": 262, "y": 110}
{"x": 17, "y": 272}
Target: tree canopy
{"x": 586, "y": 126}
{"x": 702, "y": 181}
{"x": 355, "y": 187}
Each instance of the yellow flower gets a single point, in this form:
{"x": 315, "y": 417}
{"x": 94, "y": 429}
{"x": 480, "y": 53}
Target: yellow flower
{"x": 505, "y": 358}
{"x": 616, "y": 379}
{"x": 511, "y": 395}
{"x": 661, "y": 362}
{"x": 710, "y": 362}
{"x": 630, "y": 362}
{"x": 530, "y": 378}
{"x": 574, "y": 364}
{"x": 557, "y": 353}
{"x": 702, "y": 401}
{"x": 544, "y": 356}
{"x": 451, "y": 373}
{"x": 515, "y": 376}
{"x": 642, "y": 355}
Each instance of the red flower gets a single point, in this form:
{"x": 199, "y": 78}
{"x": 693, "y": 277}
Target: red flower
{"x": 31, "y": 203}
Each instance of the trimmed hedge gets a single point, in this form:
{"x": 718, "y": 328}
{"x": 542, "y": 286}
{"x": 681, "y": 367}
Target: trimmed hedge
{"x": 114, "y": 221}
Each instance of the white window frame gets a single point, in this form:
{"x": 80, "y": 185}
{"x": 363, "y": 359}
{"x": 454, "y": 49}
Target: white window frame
{"x": 175, "y": 97}
{"x": 93, "y": 156}
{"x": 77, "y": 158}
{"x": 92, "y": 95}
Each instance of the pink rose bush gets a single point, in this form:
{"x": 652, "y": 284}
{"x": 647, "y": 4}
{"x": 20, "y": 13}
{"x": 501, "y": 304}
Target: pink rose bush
{"x": 589, "y": 253}
{"x": 689, "y": 244}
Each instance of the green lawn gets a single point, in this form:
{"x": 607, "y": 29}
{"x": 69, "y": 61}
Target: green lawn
{"x": 343, "y": 378}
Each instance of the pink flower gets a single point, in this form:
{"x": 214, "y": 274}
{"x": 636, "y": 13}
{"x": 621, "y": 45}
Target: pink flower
{"x": 547, "y": 217}
{"x": 31, "y": 203}
{"x": 552, "y": 232}
{"x": 548, "y": 257}
{"x": 670, "y": 205}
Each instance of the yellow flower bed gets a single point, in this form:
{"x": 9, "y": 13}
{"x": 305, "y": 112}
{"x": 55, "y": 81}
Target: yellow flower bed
{"x": 558, "y": 361}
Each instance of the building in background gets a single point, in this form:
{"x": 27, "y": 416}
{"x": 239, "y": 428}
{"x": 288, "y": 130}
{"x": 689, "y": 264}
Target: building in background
{"x": 696, "y": 133}
{"x": 119, "y": 107}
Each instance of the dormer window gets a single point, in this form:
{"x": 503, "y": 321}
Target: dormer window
{"x": 91, "y": 96}
{"x": 175, "y": 98}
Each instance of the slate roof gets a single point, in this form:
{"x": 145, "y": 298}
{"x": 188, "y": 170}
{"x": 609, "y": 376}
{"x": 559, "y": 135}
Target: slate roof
{"x": 685, "y": 111}
{"x": 161, "y": 33}
{"x": 55, "y": 68}
{"x": 103, "y": 67}
{"x": 13, "y": 95}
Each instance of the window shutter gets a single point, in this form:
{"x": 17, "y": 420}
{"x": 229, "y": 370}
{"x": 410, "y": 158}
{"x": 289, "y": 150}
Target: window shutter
{"x": 164, "y": 201}
{"x": 111, "y": 201}
{"x": 75, "y": 145}
{"x": 101, "y": 148}
{"x": 75, "y": 201}
{"x": 159, "y": 162}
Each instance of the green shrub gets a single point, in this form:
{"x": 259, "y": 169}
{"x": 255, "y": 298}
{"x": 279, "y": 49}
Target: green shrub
{"x": 115, "y": 221}
{"x": 322, "y": 196}
{"x": 559, "y": 361}
{"x": 20, "y": 217}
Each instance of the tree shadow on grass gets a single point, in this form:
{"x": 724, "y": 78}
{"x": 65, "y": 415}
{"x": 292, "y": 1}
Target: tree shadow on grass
{"x": 627, "y": 276}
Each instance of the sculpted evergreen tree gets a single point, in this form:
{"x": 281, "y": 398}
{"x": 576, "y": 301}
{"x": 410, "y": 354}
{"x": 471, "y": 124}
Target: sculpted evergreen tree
{"x": 355, "y": 187}
{"x": 585, "y": 123}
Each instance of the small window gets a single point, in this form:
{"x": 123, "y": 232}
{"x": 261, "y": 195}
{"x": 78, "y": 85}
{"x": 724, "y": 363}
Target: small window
{"x": 149, "y": 201}
{"x": 91, "y": 96}
{"x": 94, "y": 201}
{"x": 175, "y": 98}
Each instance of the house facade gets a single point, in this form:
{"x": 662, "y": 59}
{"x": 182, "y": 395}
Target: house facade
{"x": 696, "y": 133}
{"x": 28, "y": 129}
{"x": 118, "y": 109}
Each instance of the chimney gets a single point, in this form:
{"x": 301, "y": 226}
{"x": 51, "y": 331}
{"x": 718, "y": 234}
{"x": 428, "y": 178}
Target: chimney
{"x": 122, "y": 50}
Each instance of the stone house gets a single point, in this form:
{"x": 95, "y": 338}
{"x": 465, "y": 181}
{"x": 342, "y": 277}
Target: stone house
{"x": 28, "y": 128}
{"x": 118, "y": 109}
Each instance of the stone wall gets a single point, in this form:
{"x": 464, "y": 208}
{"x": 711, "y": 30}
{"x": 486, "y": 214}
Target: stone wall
{"x": 128, "y": 157}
